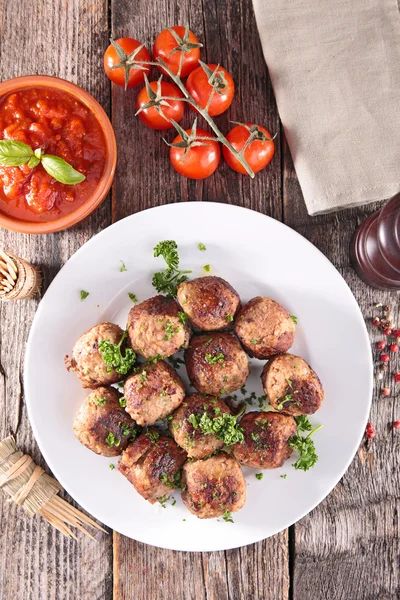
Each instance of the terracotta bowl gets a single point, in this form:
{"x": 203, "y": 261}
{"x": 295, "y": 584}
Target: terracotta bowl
{"x": 83, "y": 211}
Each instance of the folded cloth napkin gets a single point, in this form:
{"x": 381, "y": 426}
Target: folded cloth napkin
{"x": 335, "y": 69}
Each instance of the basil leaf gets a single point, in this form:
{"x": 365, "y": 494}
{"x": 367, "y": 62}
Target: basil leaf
{"x": 33, "y": 162}
{"x": 14, "y": 154}
{"x": 61, "y": 170}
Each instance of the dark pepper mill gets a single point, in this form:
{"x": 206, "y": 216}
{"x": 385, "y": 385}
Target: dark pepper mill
{"x": 375, "y": 247}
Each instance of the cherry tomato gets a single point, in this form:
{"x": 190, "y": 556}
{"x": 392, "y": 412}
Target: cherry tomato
{"x": 258, "y": 153}
{"x": 187, "y": 43}
{"x": 223, "y": 89}
{"x": 153, "y": 115}
{"x": 117, "y": 65}
{"x": 198, "y": 162}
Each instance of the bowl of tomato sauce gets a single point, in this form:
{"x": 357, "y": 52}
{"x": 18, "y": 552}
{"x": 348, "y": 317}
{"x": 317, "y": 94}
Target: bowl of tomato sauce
{"x": 53, "y": 117}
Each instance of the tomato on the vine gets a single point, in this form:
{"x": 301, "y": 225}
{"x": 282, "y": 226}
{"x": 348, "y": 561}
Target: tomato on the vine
{"x": 211, "y": 86}
{"x": 155, "y": 112}
{"x": 259, "y": 148}
{"x": 178, "y": 48}
{"x": 120, "y": 62}
{"x": 192, "y": 155}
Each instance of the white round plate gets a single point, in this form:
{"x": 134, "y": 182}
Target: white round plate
{"x": 258, "y": 256}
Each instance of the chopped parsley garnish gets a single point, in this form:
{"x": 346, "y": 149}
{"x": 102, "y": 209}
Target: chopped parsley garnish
{"x": 287, "y": 398}
{"x": 294, "y": 319}
{"x": 305, "y": 447}
{"x": 174, "y": 481}
{"x": 111, "y": 467}
{"x": 207, "y": 268}
{"x": 175, "y": 362}
{"x": 303, "y": 423}
{"x": 132, "y": 297}
{"x": 122, "y": 402}
{"x": 100, "y": 401}
{"x": 112, "y": 356}
{"x": 154, "y": 359}
{"x": 111, "y": 440}
{"x": 153, "y": 435}
{"x": 183, "y": 317}
{"x": 170, "y": 331}
{"x": 227, "y": 517}
{"x": 126, "y": 430}
{"x": 243, "y": 390}
{"x": 259, "y": 475}
{"x": 283, "y": 476}
{"x": 224, "y": 426}
{"x": 255, "y": 436}
{"x": 163, "y": 500}
{"x": 122, "y": 267}
{"x": 214, "y": 358}
{"x": 254, "y": 342}
{"x": 173, "y": 502}
{"x": 229, "y": 318}
{"x": 143, "y": 375}
{"x": 84, "y": 294}
{"x": 208, "y": 342}
{"x": 201, "y": 247}
{"x": 167, "y": 281}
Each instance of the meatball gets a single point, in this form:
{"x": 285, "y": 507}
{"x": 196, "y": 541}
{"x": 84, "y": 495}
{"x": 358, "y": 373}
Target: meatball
{"x": 264, "y": 327}
{"x": 216, "y": 363}
{"x": 152, "y": 464}
{"x": 156, "y": 327}
{"x": 291, "y": 385}
{"x": 153, "y": 393}
{"x": 102, "y": 425}
{"x": 191, "y": 438}
{"x": 266, "y": 436}
{"x": 213, "y": 486}
{"x": 87, "y": 361}
{"x": 211, "y": 303}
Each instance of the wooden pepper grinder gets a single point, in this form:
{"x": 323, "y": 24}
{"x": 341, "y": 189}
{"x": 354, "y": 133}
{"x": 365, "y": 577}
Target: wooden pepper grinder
{"x": 18, "y": 278}
{"x": 375, "y": 247}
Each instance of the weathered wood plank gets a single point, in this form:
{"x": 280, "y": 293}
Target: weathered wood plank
{"x": 348, "y": 547}
{"x": 67, "y": 39}
{"x": 229, "y": 34}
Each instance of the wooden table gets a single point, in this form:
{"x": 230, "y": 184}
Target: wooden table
{"x": 347, "y": 548}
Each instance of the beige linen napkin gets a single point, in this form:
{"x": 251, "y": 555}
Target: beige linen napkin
{"x": 335, "y": 69}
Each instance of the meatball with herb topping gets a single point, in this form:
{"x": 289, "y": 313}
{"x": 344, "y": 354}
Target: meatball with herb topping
{"x": 102, "y": 425}
{"x": 264, "y": 327}
{"x": 202, "y": 425}
{"x": 157, "y": 328}
{"x": 210, "y": 302}
{"x": 213, "y": 487}
{"x": 216, "y": 363}
{"x": 152, "y": 464}
{"x": 100, "y": 356}
{"x": 266, "y": 437}
{"x": 153, "y": 393}
{"x": 291, "y": 385}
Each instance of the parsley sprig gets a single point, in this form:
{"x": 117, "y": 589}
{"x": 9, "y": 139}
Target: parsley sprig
{"x": 224, "y": 426}
{"x": 304, "y": 444}
{"x": 167, "y": 281}
{"x": 112, "y": 355}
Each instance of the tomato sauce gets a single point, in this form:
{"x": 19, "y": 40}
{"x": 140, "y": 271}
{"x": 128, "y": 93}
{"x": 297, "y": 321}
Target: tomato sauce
{"x": 59, "y": 124}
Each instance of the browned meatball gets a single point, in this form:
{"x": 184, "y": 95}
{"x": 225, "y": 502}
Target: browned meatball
{"x": 264, "y": 327}
{"x": 153, "y": 393}
{"x": 192, "y": 439}
{"x": 210, "y": 302}
{"x": 102, "y": 425}
{"x": 152, "y": 464}
{"x": 265, "y": 444}
{"x": 87, "y": 361}
{"x": 216, "y": 363}
{"x": 213, "y": 486}
{"x": 156, "y": 328}
{"x": 291, "y": 385}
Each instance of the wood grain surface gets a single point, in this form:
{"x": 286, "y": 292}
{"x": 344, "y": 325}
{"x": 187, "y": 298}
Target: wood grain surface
{"x": 348, "y": 547}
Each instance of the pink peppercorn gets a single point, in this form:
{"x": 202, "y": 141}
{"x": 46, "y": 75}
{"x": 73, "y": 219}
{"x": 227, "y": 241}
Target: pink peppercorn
{"x": 394, "y": 348}
{"x": 385, "y": 358}
{"x": 375, "y": 321}
{"x": 396, "y": 424}
{"x": 385, "y": 391}
{"x": 370, "y": 431}
{"x": 381, "y": 345}
{"x": 387, "y": 331}
{"x": 397, "y": 376}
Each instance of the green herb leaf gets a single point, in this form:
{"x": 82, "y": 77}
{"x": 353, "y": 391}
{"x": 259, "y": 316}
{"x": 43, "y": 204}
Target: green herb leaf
{"x": 132, "y": 297}
{"x": 163, "y": 501}
{"x": 214, "y": 358}
{"x": 122, "y": 402}
{"x": 227, "y": 517}
{"x": 111, "y": 467}
{"x": 152, "y": 435}
{"x": 112, "y": 356}
{"x": 33, "y": 162}
{"x": 207, "y": 268}
{"x": 283, "y": 476}
{"x": 294, "y": 319}
{"x": 229, "y": 318}
{"x": 306, "y": 448}
{"x": 111, "y": 440}
{"x": 183, "y": 317}
{"x": 84, "y": 294}
{"x": 303, "y": 423}
{"x": 224, "y": 426}
{"x": 259, "y": 475}
{"x": 167, "y": 281}
{"x": 14, "y": 154}
{"x": 122, "y": 267}
{"x": 60, "y": 170}
{"x": 201, "y": 247}
{"x": 100, "y": 401}
{"x": 170, "y": 331}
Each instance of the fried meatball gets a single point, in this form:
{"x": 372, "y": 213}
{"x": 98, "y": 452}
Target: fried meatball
{"x": 211, "y": 303}
{"x": 152, "y": 464}
{"x": 87, "y": 361}
{"x": 291, "y": 385}
{"x": 102, "y": 425}
{"x": 213, "y": 486}
{"x": 192, "y": 439}
{"x": 155, "y": 327}
{"x": 264, "y": 327}
{"x": 153, "y": 393}
{"x": 216, "y": 363}
{"x": 265, "y": 444}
